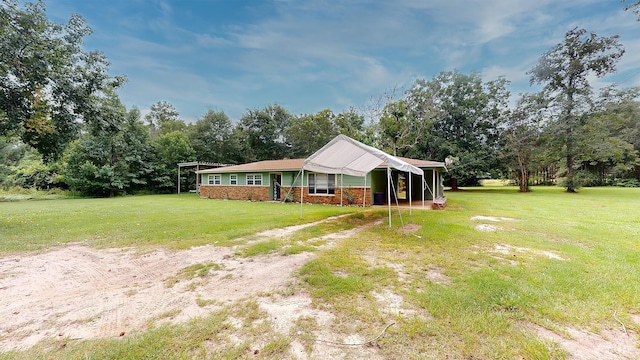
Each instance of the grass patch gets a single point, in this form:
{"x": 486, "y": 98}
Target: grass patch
{"x": 297, "y": 249}
{"x": 303, "y": 240}
{"x": 351, "y": 221}
{"x": 206, "y": 302}
{"x": 171, "y": 221}
{"x": 22, "y": 194}
{"x": 496, "y": 182}
{"x": 198, "y": 270}
{"x": 260, "y": 248}
{"x": 340, "y": 273}
{"x": 169, "y": 314}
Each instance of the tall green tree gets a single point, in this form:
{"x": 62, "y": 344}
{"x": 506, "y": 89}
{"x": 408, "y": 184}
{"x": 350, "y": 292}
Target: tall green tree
{"x": 48, "y": 83}
{"x": 401, "y": 121}
{"x": 461, "y": 117}
{"x": 308, "y": 133}
{"x": 564, "y": 71}
{"x": 612, "y": 133}
{"x": 265, "y": 132}
{"x": 213, "y": 139}
{"x": 171, "y": 149}
{"x": 350, "y": 123}
{"x": 138, "y": 162}
{"x": 163, "y": 118}
{"x": 11, "y": 152}
{"x": 397, "y": 128}
{"x": 522, "y": 137}
{"x": 111, "y": 159}
{"x": 32, "y": 173}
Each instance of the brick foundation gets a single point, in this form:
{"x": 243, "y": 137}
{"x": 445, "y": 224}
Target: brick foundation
{"x": 254, "y": 193}
{"x": 350, "y": 196}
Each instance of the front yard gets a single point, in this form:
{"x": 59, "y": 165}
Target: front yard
{"x": 497, "y": 274}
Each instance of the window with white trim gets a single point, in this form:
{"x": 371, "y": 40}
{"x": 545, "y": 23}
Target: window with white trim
{"x": 233, "y": 179}
{"x": 215, "y": 179}
{"x": 254, "y": 179}
{"x": 322, "y": 183}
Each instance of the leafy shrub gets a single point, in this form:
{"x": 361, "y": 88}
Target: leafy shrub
{"x": 627, "y": 182}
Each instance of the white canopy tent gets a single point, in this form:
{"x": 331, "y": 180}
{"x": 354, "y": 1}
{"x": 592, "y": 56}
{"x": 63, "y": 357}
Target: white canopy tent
{"x": 346, "y": 156}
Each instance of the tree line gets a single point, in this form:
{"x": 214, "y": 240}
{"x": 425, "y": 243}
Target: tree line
{"x": 63, "y": 125}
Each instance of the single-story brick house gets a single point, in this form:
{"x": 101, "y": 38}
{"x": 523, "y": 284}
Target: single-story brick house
{"x": 282, "y": 180}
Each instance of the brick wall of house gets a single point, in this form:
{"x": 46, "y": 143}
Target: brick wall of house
{"x": 254, "y": 193}
{"x": 350, "y": 196}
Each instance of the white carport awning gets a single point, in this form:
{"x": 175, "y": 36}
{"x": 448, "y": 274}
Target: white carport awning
{"x": 344, "y": 155}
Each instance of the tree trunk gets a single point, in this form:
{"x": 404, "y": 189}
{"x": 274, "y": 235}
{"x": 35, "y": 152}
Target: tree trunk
{"x": 454, "y": 184}
{"x": 569, "y": 139}
{"x": 570, "y": 185}
{"x": 524, "y": 175}
{"x": 524, "y": 180}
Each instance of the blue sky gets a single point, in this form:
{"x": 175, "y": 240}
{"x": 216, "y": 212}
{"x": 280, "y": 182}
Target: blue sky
{"x": 234, "y": 55}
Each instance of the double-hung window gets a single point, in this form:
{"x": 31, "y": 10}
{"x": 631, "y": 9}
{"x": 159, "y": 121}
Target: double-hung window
{"x": 215, "y": 180}
{"x": 322, "y": 183}
{"x": 233, "y": 179}
{"x": 254, "y": 179}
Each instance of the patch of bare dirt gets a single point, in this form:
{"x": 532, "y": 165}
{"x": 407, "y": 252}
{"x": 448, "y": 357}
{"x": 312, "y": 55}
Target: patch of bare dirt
{"x": 490, "y": 218}
{"x": 391, "y": 302}
{"x": 609, "y": 344}
{"x": 513, "y": 250}
{"x": 412, "y": 228}
{"x": 283, "y": 232}
{"x": 394, "y": 304}
{"x": 436, "y": 276}
{"x": 489, "y": 227}
{"x": 345, "y": 234}
{"x": 79, "y": 292}
{"x": 84, "y": 293}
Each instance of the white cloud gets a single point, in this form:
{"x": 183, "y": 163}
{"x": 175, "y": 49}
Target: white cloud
{"x": 333, "y": 53}
{"x": 515, "y": 74}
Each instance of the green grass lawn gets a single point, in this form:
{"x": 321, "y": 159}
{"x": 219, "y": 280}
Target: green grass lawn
{"x": 563, "y": 261}
{"x": 492, "y": 300}
{"x": 172, "y": 221}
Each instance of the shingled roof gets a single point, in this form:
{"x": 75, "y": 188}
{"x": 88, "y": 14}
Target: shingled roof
{"x": 296, "y": 164}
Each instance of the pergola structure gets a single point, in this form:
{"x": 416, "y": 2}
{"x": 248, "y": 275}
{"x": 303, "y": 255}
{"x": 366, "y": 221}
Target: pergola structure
{"x": 197, "y": 164}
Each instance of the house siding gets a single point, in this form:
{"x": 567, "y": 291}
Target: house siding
{"x": 353, "y": 187}
{"x": 241, "y": 177}
{"x": 350, "y": 195}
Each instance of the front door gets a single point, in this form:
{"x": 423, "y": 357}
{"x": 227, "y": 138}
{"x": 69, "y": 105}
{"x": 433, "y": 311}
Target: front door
{"x": 276, "y": 180}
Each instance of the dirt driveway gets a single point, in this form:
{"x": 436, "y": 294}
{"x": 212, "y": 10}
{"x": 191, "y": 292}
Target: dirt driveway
{"x": 78, "y": 292}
